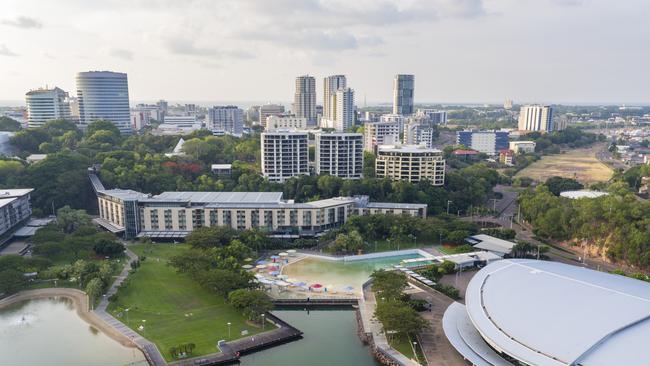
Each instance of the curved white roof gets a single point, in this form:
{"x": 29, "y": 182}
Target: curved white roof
{"x": 549, "y": 313}
{"x": 582, "y": 194}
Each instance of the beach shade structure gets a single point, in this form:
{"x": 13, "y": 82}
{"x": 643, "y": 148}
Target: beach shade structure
{"x": 273, "y": 268}
{"x": 283, "y": 277}
{"x": 247, "y": 266}
{"x": 291, "y": 252}
{"x": 300, "y": 284}
{"x": 274, "y": 273}
{"x": 260, "y": 266}
{"x": 291, "y": 280}
{"x": 316, "y": 286}
{"x": 248, "y": 260}
{"x": 274, "y": 257}
{"x": 261, "y": 262}
{"x": 283, "y": 254}
{"x": 258, "y": 276}
{"x": 348, "y": 289}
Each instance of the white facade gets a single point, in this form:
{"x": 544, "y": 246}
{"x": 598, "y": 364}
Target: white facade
{"x": 397, "y": 118}
{"x": 268, "y": 110}
{"x": 304, "y": 101}
{"x": 140, "y": 119}
{"x": 274, "y": 123}
{"x": 379, "y": 133}
{"x": 344, "y": 109}
{"x": 340, "y": 155}
{"x": 522, "y": 147}
{"x": 419, "y": 132}
{"x": 226, "y": 119}
{"x": 410, "y": 163}
{"x": 104, "y": 95}
{"x": 403, "y": 91}
{"x": 181, "y": 121}
{"x": 46, "y": 104}
{"x": 434, "y": 116}
{"x": 331, "y": 86}
{"x": 14, "y": 208}
{"x": 536, "y": 118}
{"x": 284, "y": 155}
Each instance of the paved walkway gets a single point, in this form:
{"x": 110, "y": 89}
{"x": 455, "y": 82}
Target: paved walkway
{"x": 371, "y": 325}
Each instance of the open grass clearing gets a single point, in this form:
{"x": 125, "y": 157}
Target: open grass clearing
{"x": 172, "y": 308}
{"x": 579, "y": 164}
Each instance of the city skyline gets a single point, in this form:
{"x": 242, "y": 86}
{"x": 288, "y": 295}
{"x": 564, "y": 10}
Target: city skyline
{"x": 465, "y": 51}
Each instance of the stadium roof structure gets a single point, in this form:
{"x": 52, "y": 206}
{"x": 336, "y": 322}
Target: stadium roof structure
{"x": 491, "y": 244}
{"x": 551, "y": 314}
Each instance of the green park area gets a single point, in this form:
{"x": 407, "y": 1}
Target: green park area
{"x": 172, "y": 309}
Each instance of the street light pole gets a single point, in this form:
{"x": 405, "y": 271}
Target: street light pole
{"x": 263, "y": 321}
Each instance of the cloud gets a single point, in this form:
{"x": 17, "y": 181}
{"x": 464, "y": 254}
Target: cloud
{"x": 568, "y": 2}
{"x": 4, "y": 51}
{"x": 121, "y": 53}
{"x": 23, "y": 22}
{"x": 187, "y": 47}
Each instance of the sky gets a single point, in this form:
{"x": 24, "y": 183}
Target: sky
{"x": 460, "y": 51}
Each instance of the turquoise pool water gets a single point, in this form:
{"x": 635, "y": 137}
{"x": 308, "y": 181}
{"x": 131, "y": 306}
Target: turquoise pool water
{"x": 340, "y": 273}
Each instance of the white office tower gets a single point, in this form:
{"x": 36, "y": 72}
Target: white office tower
{"x": 536, "y": 118}
{"x": 340, "y": 155}
{"x": 410, "y": 163}
{"x": 419, "y": 132}
{"x": 285, "y": 122}
{"x": 285, "y": 154}
{"x": 379, "y": 133}
{"x": 396, "y": 118}
{"x": 226, "y": 119}
{"x": 268, "y": 110}
{"x": 46, "y": 104}
{"x": 403, "y": 88}
{"x": 304, "y": 101}
{"x": 344, "y": 109}
{"x": 104, "y": 95}
{"x": 331, "y": 85}
{"x": 433, "y": 115}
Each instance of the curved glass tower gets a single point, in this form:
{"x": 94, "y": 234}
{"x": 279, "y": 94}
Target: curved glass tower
{"x": 104, "y": 95}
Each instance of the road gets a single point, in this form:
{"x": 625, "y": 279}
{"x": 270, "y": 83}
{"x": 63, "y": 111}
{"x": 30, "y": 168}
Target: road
{"x": 605, "y": 157}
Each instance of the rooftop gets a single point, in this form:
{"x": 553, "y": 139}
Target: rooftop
{"x": 583, "y": 194}
{"x": 221, "y": 197}
{"x": 491, "y": 244}
{"x": 12, "y": 193}
{"x": 407, "y": 149}
{"x": 548, "y": 313}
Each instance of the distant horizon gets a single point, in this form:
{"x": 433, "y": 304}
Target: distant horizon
{"x": 246, "y": 104}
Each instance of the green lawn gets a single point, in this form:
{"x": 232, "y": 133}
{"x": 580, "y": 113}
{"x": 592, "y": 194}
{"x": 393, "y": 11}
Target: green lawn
{"x": 386, "y": 246}
{"x": 402, "y": 344}
{"x": 173, "y": 309}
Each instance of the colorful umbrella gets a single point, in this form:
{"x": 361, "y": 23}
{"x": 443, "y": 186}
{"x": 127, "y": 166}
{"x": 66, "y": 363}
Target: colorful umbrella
{"x": 316, "y": 285}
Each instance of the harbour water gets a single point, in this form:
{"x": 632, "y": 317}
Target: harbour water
{"x": 49, "y": 332}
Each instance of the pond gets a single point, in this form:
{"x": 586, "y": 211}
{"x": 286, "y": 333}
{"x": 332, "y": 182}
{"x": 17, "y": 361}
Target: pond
{"x": 330, "y": 338}
{"x": 49, "y": 332}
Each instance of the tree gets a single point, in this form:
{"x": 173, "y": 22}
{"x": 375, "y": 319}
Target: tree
{"x": 208, "y": 237}
{"x": 94, "y": 289}
{"x": 252, "y": 303}
{"x": 389, "y": 284}
{"x": 8, "y": 124}
{"x": 224, "y": 281}
{"x": 70, "y": 219}
{"x": 558, "y": 184}
{"x": 108, "y": 246}
{"x": 348, "y": 243}
{"x": 399, "y": 317}
{"x": 102, "y": 125}
{"x": 11, "y": 280}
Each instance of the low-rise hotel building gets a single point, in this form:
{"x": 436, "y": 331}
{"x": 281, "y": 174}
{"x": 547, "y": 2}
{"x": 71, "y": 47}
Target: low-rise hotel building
{"x": 176, "y": 214}
{"x": 410, "y": 163}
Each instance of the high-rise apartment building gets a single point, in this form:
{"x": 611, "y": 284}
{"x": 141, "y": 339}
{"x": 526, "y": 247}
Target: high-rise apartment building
{"x": 331, "y": 85}
{"x": 226, "y": 119}
{"x": 14, "y": 208}
{"x": 46, "y": 104}
{"x": 536, "y": 118}
{"x": 419, "y": 132}
{"x": 104, "y": 95}
{"x": 285, "y": 122}
{"x": 304, "y": 101}
{"x": 340, "y": 155}
{"x": 487, "y": 142}
{"x": 403, "y": 89}
{"x": 410, "y": 163}
{"x": 284, "y": 155}
{"x": 267, "y": 110}
{"x": 379, "y": 133}
{"x": 344, "y": 109}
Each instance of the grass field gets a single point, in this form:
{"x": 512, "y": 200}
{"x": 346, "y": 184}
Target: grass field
{"x": 173, "y": 309}
{"x": 579, "y": 164}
